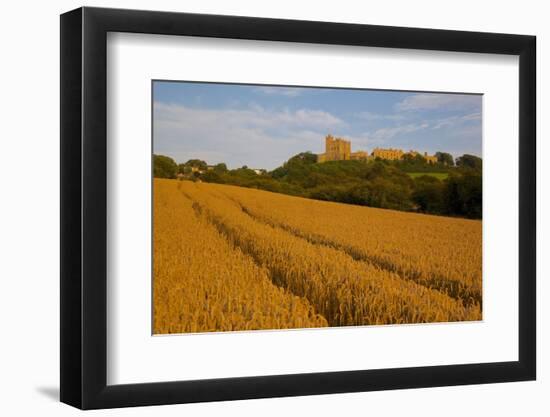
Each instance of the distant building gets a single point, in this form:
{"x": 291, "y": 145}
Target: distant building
{"x": 359, "y": 155}
{"x": 339, "y": 149}
{"x": 398, "y": 154}
{"x": 432, "y": 159}
{"x": 389, "y": 154}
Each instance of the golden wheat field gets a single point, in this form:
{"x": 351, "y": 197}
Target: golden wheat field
{"x": 229, "y": 258}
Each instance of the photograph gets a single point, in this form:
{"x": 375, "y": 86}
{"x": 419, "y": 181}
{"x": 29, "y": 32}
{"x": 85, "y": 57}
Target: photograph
{"x": 294, "y": 207}
{"x": 291, "y": 203}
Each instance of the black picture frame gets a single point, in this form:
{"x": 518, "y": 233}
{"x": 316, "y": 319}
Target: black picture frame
{"x": 84, "y": 207}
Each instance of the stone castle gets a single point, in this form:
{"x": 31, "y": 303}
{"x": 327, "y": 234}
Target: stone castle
{"x": 339, "y": 149}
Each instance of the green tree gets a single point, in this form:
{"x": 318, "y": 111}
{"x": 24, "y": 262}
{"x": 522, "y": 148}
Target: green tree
{"x": 428, "y": 194}
{"x": 164, "y": 167}
{"x": 220, "y": 168}
{"x": 183, "y": 169}
{"x": 463, "y": 195}
{"x": 304, "y": 158}
{"x": 469, "y": 161}
{"x": 197, "y": 163}
{"x": 329, "y": 192}
{"x": 377, "y": 169}
{"x": 445, "y": 158}
{"x": 213, "y": 176}
{"x": 382, "y": 183}
{"x": 414, "y": 159}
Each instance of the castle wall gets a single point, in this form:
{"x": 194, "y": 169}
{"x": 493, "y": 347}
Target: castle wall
{"x": 359, "y": 156}
{"x": 432, "y": 159}
{"x": 339, "y": 149}
{"x": 390, "y": 154}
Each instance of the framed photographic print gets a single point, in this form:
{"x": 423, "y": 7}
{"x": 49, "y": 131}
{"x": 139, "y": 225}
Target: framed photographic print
{"x": 258, "y": 207}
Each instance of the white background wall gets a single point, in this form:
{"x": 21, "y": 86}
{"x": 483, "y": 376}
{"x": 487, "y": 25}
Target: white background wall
{"x": 29, "y": 209}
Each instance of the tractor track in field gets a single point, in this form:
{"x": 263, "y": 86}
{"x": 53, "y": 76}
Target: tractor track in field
{"x": 452, "y": 288}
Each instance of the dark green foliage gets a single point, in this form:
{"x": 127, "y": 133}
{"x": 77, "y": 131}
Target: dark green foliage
{"x": 418, "y": 164}
{"x": 469, "y": 161}
{"x": 375, "y": 184}
{"x": 187, "y": 168}
{"x": 428, "y": 194}
{"x": 463, "y": 195}
{"x": 378, "y": 183}
{"x": 212, "y": 176}
{"x": 197, "y": 163}
{"x": 381, "y": 185}
{"x": 220, "y": 168}
{"x": 414, "y": 159}
{"x": 304, "y": 158}
{"x": 164, "y": 167}
{"x": 445, "y": 158}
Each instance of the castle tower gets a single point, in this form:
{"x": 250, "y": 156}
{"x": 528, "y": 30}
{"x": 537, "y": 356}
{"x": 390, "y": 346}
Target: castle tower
{"x": 339, "y": 149}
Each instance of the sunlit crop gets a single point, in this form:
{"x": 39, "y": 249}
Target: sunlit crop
{"x": 202, "y": 283}
{"x": 230, "y": 258}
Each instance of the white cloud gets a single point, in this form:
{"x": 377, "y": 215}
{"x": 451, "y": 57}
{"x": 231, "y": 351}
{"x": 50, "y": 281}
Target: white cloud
{"x": 280, "y": 91}
{"x": 254, "y": 116}
{"x": 426, "y": 101}
{"x": 253, "y": 136}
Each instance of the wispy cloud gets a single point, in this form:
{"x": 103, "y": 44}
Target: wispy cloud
{"x": 263, "y": 126}
{"x": 472, "y": 116}
{"x": 427, "y": 101}
{"x": 266, "y": 137}
{"x": 253, "y": 116}
{"x": 280, "y": 91}
{"x": 456, "y": 120}
{"x": 370, "y": 116}
{"x": 387, "y": 133}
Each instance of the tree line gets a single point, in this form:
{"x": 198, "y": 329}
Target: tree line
{"x": 378, "y": 183}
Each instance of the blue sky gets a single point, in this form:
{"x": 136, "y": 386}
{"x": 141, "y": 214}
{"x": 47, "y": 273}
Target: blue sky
{"x": 263, "y": 126}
